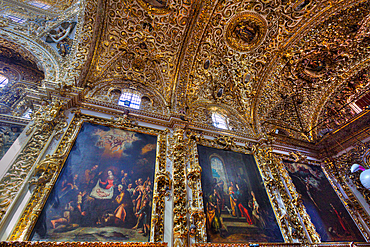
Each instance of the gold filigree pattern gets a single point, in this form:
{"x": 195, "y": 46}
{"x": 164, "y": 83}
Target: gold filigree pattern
{"x": 44, "y": 55}
{"x": 178, "y": 153}
{"x": 154, "y": 6}
{"x": 153, "y": 40}
{"x": 295, "y": 197}
{"x": 239, "y": 73}
{"x": 312, "y": 69}
{"x": 276, "y": 67}
{"x": 196, "y": 206}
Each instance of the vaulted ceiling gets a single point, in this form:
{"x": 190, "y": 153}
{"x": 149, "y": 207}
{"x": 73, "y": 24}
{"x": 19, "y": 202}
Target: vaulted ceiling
{"x": 271, "y": 66}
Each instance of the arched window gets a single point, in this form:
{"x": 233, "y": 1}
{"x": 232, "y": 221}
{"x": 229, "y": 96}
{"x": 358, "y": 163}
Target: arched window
{"x": 15, "y": 18}
{"x": 39, "y": 4}
{"x": 3, "y": 81}
{"x": 219, "y": 121}
{"x": 130, "y": 99}
{"x": 27, "y": 114}
{"x": 218, "y": 171}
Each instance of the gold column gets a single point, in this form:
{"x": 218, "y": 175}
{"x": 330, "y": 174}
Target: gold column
{"x": 179, "y": 188}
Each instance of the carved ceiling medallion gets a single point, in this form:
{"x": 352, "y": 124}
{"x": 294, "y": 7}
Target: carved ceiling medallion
{"x": 159, "y": 7}
{"x": 314, "y": 65}
{"x": 246, "y": 31}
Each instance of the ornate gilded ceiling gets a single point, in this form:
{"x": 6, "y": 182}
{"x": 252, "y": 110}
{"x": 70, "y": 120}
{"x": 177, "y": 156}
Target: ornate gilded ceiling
{"x": 266, "y": 64}
{"x": 270, "y": 66}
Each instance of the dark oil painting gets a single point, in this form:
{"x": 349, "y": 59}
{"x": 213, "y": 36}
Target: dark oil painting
{"x": 331, "y": 219}
{"x": 104, "y": 192}
{"x": 236, "y": 204}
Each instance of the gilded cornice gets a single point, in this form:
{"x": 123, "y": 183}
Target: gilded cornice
{"x": 8, "y": 119}
{"x": 347, "y": 136}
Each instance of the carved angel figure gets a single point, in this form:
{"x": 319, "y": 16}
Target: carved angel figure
{"x": 60, "y": 36}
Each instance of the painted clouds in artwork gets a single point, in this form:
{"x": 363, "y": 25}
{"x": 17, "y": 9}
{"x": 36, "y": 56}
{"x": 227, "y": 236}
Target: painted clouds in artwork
{"x": 115, "y": 141}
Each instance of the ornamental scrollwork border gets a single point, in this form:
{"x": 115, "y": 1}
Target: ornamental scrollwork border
{"x": 177, "y": 152}
{"x": 47, "y": 172}
{"x": 286, "y": 212}
{"x": 162, "y": 189}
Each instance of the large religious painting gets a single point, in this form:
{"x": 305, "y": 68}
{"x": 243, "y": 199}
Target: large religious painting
{"x": 331, "y": 219}
{"x": 104, "y": 192}
{"x": 236, "y": 203}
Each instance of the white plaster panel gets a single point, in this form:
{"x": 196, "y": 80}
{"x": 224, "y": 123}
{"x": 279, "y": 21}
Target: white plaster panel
{"x": 13, "y": 152}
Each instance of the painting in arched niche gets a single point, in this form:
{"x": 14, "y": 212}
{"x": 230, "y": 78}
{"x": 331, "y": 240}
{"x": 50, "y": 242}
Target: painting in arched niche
{"x": 236, "y": 204}
{"x": 218, "y": 171}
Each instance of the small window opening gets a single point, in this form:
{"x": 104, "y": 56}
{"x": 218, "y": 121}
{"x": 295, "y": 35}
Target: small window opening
{"x": 27, "y": 114}
{"x": 361, "y": 103}
{"x": 130, "y": 99}
{"x": 15, "y": 18}
{"x": 219, "y": 121}
{"x": 39, "y": 4}
{"x": 3, "y": 81}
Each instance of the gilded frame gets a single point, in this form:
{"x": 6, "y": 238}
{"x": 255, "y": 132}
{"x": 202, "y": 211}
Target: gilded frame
{"x": 196, "y": 208}
{"x": 47, "y": 172}
{"x": 345, "y": 196}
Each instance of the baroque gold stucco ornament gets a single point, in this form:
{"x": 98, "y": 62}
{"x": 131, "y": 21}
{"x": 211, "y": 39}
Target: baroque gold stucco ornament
{"x": 246, "y": 31}
{"x": 158, "y": 7}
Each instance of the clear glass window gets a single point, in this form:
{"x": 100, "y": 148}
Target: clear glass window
{"x": 219, "y": 121}
{"x": 27, "y": 114}
{"x": 15, "y": 18}
{"x": 130, "y": 99}
{"x": 39, "y": 4}
{"x": 3, "y": 81}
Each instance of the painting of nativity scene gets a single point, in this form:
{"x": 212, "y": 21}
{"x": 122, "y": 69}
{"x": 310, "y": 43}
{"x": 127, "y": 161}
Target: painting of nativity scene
{"x": 236, "y": 204}
{"x": 105, "y": 190}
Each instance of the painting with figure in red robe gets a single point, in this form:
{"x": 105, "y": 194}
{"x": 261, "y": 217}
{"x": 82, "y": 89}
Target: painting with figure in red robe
{"x": 330, "y": 218}
{"x": 104, "y": 192}
{"x": 236, "y": 204}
